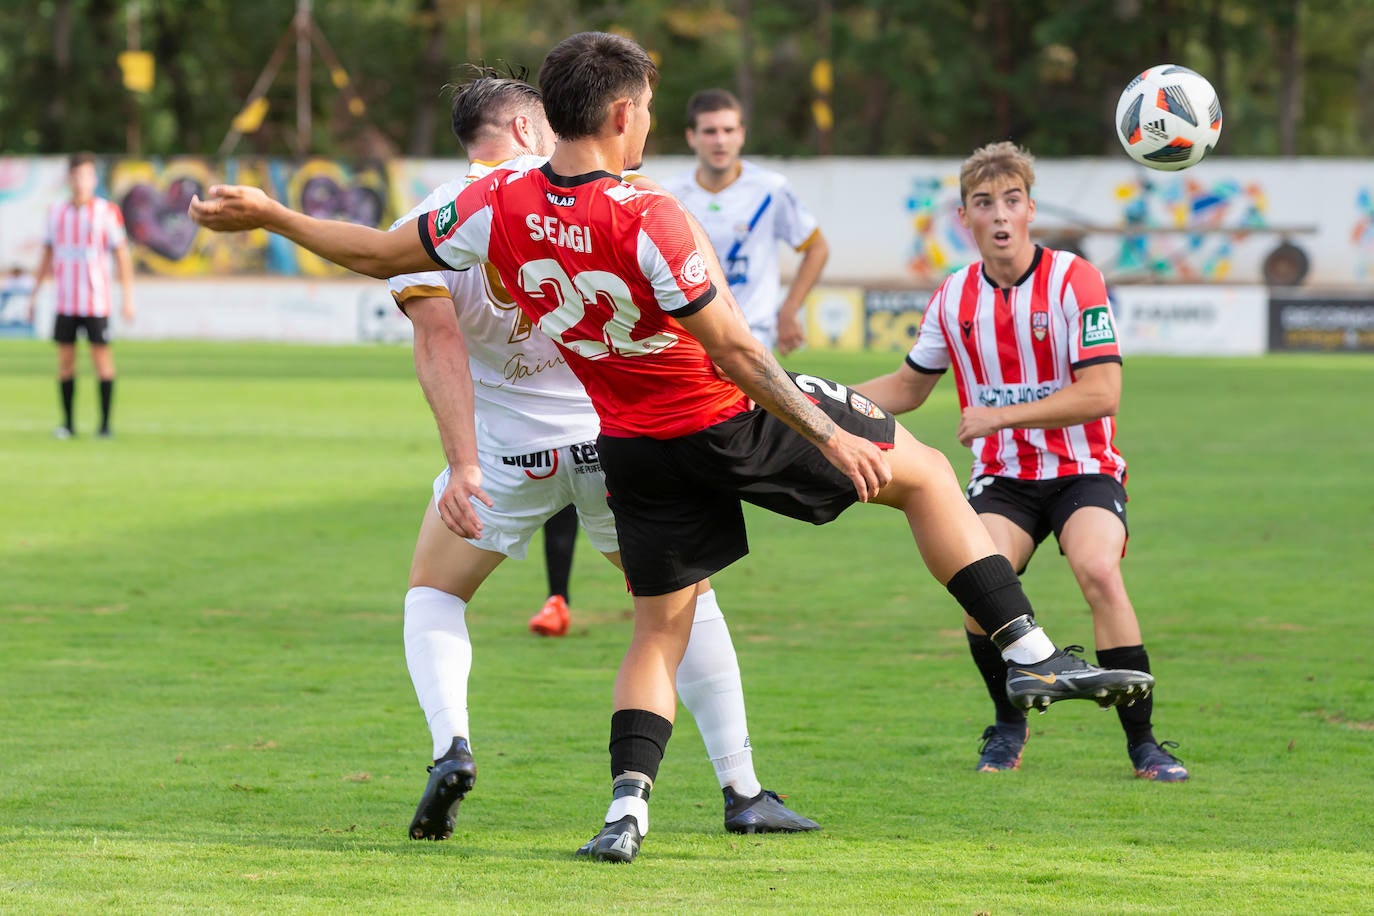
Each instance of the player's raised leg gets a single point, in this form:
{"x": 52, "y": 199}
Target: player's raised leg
{"x": 960, "y": 554}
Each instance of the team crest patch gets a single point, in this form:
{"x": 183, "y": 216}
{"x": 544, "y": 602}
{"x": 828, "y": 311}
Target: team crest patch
{"x": 694, "y": 268}
{"x": 1097, "y": 326}
{"x": 1040, "y": 324}
{"x": 864, "y": 406}
{"x": 443, "y": 221}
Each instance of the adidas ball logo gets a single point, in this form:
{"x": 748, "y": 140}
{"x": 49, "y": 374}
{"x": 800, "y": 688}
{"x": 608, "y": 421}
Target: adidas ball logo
{"x": 1155, "y": 129}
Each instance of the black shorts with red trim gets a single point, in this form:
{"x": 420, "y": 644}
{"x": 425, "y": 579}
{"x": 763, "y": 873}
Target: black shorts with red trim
{"x": 97, "y": 328}
{"x": 677, "y": 502}
{"x": 1039, "y": 507}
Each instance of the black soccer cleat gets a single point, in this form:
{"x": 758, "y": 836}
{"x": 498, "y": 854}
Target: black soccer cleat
{"x": 618, "y": 842}
{"x": 1065, "y": 676}
{"x": 1152, "y": 761}
{"x": 450, "y": 780}
{"x": 1002, "y": 746}
{"x": 764, "y": 813}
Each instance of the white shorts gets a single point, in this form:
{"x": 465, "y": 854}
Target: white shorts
{"x": 526, "y": 490}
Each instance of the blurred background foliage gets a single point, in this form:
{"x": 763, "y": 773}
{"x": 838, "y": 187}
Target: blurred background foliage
{"x": 843, "y": 77}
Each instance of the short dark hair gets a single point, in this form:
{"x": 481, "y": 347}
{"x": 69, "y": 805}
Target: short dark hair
{"x": 585, "y": 73}
{"x": 706, "y": 101}
{"x": 490, "y": 100}
{"x": 76, "y": 160}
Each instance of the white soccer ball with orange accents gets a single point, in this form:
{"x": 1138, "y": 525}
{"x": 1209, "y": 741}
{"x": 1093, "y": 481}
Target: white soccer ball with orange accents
{"x": 1168, "y": 118}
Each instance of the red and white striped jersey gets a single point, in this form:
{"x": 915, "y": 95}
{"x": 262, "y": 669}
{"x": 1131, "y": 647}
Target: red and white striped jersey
{"x": 602, "y": 268}
{"x": 1021, "y": 345}
{"x": 82, "y": 239}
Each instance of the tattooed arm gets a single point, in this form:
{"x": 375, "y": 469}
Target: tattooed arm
{"x": 751, "y": 366}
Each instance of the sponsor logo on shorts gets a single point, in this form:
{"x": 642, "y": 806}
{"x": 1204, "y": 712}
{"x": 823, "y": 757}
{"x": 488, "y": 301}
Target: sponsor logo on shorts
{"x": 864, "y": 406}
{"x": 1097, "y": 326}
{"x": 978, "y": 485}
{"x": 585, "y": 459}
{"x": 537, "y": 465}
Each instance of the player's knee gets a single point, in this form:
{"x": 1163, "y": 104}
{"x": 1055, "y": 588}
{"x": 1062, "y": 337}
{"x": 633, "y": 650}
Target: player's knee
{"x": 919, "y": 465}
{"x": 1099, "y": 576}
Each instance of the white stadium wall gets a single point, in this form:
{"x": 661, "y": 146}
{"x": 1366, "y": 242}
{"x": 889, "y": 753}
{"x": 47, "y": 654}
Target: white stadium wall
{"x": 1184, "y": 253}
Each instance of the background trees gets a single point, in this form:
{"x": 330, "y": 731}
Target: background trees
{"x": 848, "y": 77}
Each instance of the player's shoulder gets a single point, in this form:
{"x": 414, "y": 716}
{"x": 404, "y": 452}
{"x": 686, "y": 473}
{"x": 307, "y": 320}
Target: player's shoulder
{"x": 511, "y": 169}
{"x": 753, "y": 174}
{"x": 436, "y": 198}
{"x": 957, "y": 280}
{"x": 681, "y": 183}
{"x": 1075, "y": 269}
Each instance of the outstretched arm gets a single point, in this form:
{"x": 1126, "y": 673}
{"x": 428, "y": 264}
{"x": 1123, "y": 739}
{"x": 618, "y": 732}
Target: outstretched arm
{"x": 900, "y": 390}
{"x": 231, "y": 208}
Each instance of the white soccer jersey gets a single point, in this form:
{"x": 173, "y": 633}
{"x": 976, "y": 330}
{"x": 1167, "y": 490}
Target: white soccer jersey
{"x": 745, "y": 221}
{"x": 1022, "y": 345}
{"x": 527, "y": 399}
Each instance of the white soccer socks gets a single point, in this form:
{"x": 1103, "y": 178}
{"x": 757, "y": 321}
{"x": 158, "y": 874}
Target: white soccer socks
{"x": 439, "y": 656}
{"x": 708, "y": 682}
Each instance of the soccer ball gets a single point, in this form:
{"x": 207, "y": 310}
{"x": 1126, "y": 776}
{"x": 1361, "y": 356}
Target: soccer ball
{"x": 1168, "y": 118}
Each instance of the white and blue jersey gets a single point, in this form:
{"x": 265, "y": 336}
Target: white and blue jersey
{"x": 745, "y": 221}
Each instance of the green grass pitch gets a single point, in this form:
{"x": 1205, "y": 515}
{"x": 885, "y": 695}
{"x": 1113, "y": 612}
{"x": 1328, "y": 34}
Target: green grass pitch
{"x": 206, "y": 708}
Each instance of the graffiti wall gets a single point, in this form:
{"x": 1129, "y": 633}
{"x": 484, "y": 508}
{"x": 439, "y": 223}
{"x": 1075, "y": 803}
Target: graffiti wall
{"x": 154, "y": 194}
{"x": 892, "y": 223}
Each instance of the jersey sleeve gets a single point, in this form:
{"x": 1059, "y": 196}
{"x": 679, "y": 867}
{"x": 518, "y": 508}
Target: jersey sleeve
{"x": 1088, "y": 314}
{"x": 457, "y": 234}
{"x": 114, "y": 231}
{"x": 930, "y": 352}
{"x": 794, "y": 224}
{"x": 429, "y": 284}
{"x": 670, "y": 261}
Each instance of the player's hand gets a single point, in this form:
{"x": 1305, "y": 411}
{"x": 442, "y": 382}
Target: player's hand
{"x": 977, "y": 422}
{"x": 231, "y": 208}
{"x": 790, "y": 333}
{"x": 129, "y": 311}
{"x": 455, "y": 503}
{"x": 861, "y": 461}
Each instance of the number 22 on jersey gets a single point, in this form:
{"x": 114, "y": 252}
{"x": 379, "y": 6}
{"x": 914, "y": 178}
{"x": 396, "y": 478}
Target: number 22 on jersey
{"x": 546, "y": 279}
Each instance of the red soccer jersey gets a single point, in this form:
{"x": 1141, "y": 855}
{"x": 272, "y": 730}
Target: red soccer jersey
{"x": 602, "y": 268}
{"x": 82, "y": 239}
{"x": 1023, "y": 345}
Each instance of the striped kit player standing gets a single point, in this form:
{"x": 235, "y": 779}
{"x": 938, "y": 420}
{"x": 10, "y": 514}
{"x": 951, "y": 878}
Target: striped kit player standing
{"x": 1030, "y": 335}
{"x": 80, "y": 235}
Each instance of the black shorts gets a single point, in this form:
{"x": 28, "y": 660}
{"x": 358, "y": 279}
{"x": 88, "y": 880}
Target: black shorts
{"x": 1039, "y": 507}
{"x": 97, "y": 329}
{"x": 677, "y": 502}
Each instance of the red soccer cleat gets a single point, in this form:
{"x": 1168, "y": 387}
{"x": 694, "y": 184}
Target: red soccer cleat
{"x": 553, "y": 618}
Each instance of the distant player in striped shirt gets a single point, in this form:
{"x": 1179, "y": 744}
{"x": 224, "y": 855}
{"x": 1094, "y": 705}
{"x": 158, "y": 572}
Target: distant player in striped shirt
{"x": 80, "y": 235}
{"x": 1030, "y": 334}
{"x": 746, "y": 211}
